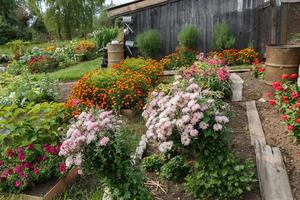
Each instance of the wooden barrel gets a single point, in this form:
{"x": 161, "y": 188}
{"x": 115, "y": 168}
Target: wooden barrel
{"x": 281, "y": 59}
{"x": 115, "y": 53}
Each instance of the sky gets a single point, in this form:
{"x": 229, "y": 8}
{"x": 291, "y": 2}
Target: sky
{"x": 118, "y": 2}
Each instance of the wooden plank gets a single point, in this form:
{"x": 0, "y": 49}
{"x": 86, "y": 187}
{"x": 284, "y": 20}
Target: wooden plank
{"x": 237, "y": 87}
{"x": 132, "y": 7}
{"x": 273, "y": 178}
{"x": 255, "y": 127}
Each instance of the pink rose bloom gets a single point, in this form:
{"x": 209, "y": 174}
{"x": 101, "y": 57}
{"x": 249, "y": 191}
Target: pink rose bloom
{"x": 104, "y": 141}
{"x": 75, "y": 102}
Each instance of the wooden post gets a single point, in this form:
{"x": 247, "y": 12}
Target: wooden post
{"x": 276, "y": 21}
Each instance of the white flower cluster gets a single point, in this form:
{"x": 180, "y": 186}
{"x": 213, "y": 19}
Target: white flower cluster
{"x": 187, "y": 111}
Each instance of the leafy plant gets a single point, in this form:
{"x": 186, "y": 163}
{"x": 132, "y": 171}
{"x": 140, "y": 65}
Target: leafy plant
{"x": 153, "y": 163}
{"x": 16, "y": 68}
{"x": 148, "y": 43}
{"x": 189, "y": 37}
{"x": 175, "y": 169}
{"x": 222, "y": 37}
{"x": 36, "y": 124}
{"x": 104, "y": 36}
{"x": 17, "y": 47}
{"x": 221, "y": 177}
{"x": 104, "y": 152}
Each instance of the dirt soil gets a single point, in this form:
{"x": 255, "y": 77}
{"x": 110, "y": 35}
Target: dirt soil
{"x": 275, "y": 131}
{"x": 65, "y": 91}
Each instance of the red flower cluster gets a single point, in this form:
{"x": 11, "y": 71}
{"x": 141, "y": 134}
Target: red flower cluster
{"x": 33, "y": 60}
{"x": 24, "y": 166}
{"x": 288, "y": 100}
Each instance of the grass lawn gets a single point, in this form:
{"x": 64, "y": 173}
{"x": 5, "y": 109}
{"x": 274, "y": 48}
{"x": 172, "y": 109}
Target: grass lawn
{"x": 75, "y": 72}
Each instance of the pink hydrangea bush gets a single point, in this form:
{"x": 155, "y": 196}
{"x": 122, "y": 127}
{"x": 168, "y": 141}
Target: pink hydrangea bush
{"x": 184, "y": 114}
{"x": 94, "y": 126}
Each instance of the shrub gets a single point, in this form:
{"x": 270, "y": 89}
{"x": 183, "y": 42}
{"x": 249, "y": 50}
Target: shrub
{"x": 85, "y": 50}
{"x": 41, "y": 64}
{"x": 104, "y": 36}
{"x": 189, "y": 37}
{"x": 175, "y": 169}
{"x": 17, "y": 47}
{"x": 182, "y": 57}
{"x": 148, "y": 43}
{"x": 16, "y": 68}
{"x": 118, "y": 88}
{"x": 222, "y": 177}
{"x": 153, "y": 163}
{"x": 222, "y": 37}
{"x": 104, "y": 152}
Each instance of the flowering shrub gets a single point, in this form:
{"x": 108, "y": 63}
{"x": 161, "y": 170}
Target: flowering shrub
{"x": 42, "y": 64}
{"x": 209, "y": 74}
{"x": 184, "y": 115}
{"x": 95, "y": 143}
{"x": 124, "y": 87}
{"x": 236, "y": 57}
{"x": 86, "y": 50}
{"x": 182, "y": 57}
{"x": 24, "y": 167}
{"x": 287, "y": 99}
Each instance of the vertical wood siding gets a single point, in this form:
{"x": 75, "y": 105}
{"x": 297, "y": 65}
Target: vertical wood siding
{"x": 249, "y": 20}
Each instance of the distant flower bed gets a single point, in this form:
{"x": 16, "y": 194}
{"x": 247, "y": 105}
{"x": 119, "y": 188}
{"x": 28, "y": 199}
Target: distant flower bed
{"x": 124, "y": 87}
{"x": 233, "y": 57}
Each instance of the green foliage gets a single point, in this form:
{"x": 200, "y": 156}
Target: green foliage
{"x": 221, "y": 177}
{"x": 189, "y": 37}
{"x": 112, "y": 163}
{"x": 25, "y": 88}
{"x": 222, "y": 37}
{"x": 35, "y": 123}
{"x": 175, "y": 169}
{"x": 17, "y": 47}
{"x": 105, "y": 35}
{"x": 148, "y": 43}
{"x": 153, "y": 163}
{"x": 16, "y": 68}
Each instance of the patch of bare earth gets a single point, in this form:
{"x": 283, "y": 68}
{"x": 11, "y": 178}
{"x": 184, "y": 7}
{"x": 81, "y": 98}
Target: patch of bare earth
{"x": 275, "y": 131}
{"x": 240, "y": 142}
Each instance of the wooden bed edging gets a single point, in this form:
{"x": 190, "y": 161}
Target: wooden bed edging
{"x": 59, "y": 187}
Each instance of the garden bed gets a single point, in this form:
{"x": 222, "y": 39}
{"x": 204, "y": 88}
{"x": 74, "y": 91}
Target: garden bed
{"x": 275, "y": 131}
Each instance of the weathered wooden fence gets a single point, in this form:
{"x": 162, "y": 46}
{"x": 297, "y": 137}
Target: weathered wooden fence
{"x": 254, "y": 22}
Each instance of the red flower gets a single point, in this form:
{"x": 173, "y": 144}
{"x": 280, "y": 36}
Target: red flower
{"x": 21, "y": 156}
{"x": 297, "y": 105}
{"x": 271, "y": 102}
{"x": 10, "y": 153}
{"x": 1, "y": 162}
{"x": 293, "y": 76}
{"x": 290, "y": 128}
{"x": 284, "y": 98}
{"x": 284, "y": 76}
{"x": 297, "y": 120}
{"x": 18, "y": 184}
{"x": 284, "y": 117}
{"x": 269, "y": 94}
{"x": 30, "y": 147}
{"x": 36, "y": 171}
{"x": 295, "y": 95}
{"x": 62, "y": 168}
{"x": 10, "y": 171}
{"x": 276, "y": 84}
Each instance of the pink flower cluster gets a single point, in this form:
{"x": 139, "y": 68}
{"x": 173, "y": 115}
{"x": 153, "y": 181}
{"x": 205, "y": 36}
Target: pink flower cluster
{"x": 223, "y": 73}
{"x": 186, "y": 110}
{"x": 92, "y": 126}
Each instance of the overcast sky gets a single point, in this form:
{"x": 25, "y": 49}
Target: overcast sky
{"x": 117, "y": 2}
